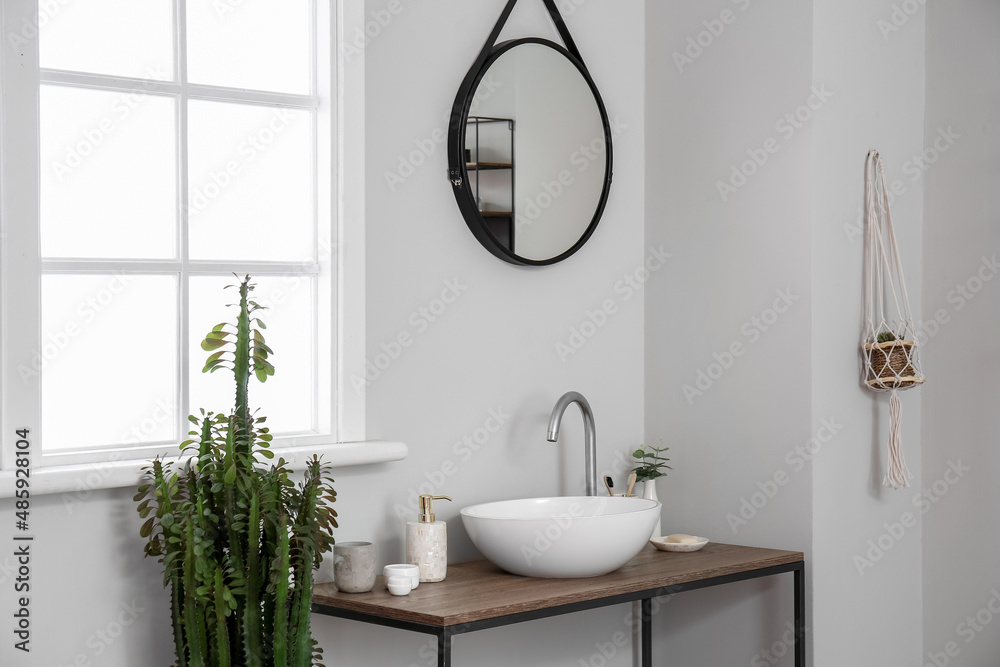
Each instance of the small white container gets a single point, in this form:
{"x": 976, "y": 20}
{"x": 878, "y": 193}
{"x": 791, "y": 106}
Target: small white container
{"x": 403, "y": 570}
{"x": 398, "y": 585}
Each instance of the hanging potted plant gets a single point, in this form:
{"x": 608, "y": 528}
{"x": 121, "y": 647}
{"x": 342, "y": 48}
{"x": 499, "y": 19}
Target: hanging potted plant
{"x": 238, "y": 541}
{"x": 890, "y": 361}
{"x": 890, "y": 358}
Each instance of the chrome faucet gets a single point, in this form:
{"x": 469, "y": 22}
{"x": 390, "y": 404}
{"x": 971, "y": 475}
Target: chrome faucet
{"x": 590, "y": 433}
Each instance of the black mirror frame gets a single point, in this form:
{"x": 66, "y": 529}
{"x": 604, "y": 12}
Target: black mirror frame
{"x": 457, "y": 171}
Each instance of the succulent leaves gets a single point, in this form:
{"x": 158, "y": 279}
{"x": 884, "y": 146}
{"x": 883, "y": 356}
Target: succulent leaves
{"x": 238, "y": 541}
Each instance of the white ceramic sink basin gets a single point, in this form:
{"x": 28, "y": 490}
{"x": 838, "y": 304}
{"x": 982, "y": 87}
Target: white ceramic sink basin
{"x": 575, "y": 536}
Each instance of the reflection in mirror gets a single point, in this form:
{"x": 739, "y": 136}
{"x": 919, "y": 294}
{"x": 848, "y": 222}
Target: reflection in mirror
{"x": 536, "y": 152}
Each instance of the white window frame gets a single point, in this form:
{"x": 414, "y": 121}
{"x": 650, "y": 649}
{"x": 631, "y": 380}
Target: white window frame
{"x": 342, "y": 125}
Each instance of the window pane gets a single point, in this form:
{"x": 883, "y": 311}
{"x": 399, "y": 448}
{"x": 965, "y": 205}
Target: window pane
{"x": 108, "y": 360}
{"x": 287, "y": 398}
{"x": 251, "y": 183}
{"x": 108, "y": 174}
{"x": 257, "y": 44}
{"x": 119, "y": 37}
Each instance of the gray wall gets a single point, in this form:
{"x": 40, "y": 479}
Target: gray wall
{"x": 961, "y": 547}
{"x": 726, "y": 85}
{"x": 739, "y": 280}
{"x": 866, "y": 604}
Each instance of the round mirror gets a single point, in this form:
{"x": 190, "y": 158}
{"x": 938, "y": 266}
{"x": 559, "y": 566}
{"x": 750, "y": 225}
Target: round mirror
{"x": 536, "y": 147}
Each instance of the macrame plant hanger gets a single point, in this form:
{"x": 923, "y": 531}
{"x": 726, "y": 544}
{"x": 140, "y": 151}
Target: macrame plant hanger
{"x": 888, "y": 343}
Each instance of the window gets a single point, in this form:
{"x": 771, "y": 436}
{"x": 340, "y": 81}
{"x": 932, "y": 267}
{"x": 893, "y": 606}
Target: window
{"x": 152, "y": 150}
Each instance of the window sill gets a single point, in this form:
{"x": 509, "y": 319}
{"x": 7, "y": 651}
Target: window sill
{"x": 84, "y": 478}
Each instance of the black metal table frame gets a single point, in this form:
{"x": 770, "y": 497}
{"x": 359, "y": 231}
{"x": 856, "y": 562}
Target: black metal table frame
{"x": 445, "y": 633}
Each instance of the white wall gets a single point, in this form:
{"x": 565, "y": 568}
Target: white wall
{"x": 866, "y": 606}
{"x": 722, "y": 79}
{"x": 732, "y": 259}
{"x": 961, "y": 548}
{"x": 495, "y": 347}
{"x": 94, "y": 600}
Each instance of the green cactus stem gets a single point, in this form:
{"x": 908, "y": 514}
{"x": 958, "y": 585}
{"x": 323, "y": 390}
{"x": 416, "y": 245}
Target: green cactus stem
{"x": 238, "y": 541}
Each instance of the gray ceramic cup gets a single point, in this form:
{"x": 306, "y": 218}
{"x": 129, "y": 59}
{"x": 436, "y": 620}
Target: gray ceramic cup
{"x": 354, "y": 566}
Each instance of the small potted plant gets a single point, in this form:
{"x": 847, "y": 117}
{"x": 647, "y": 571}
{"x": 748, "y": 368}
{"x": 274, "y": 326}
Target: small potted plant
{"x": 651, "y": 467}
{"x": 890, "y": 361}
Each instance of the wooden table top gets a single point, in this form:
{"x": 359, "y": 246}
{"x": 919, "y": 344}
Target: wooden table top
{"x": 480, "y": 590}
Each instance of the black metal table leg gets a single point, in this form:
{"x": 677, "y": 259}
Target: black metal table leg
{"x": 800, "y": 616}
{"x": 647, "y": 633}
{"x": 444, "y": 648}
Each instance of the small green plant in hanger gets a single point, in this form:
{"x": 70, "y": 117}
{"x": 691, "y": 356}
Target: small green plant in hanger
{"x": 886, "y": 336}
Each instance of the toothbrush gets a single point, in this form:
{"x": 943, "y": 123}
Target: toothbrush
{"x": 631, "y": 483}
{"x": 610, "y": 483}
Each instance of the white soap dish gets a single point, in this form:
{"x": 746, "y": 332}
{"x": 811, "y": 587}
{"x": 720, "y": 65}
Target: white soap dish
{"x": 687, "y": 547}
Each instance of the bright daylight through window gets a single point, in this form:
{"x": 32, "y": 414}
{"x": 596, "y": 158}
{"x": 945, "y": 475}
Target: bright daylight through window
{"x": 177, "y": 143}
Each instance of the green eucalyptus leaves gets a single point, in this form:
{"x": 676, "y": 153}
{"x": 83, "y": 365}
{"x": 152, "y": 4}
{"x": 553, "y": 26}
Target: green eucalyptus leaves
{"x": 651, "y": 463}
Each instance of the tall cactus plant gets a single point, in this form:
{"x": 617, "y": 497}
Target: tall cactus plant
{"x": 238, "y": 540}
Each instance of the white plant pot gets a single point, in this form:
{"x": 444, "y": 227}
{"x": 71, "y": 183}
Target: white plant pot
{"x": 649, "y": 492}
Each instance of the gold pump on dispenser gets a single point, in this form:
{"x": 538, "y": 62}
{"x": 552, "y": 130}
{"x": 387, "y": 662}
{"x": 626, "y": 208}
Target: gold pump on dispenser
{"x": 426, "y": 504}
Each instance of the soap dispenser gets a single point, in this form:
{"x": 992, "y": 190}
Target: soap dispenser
{"x": 427, "y": 541}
